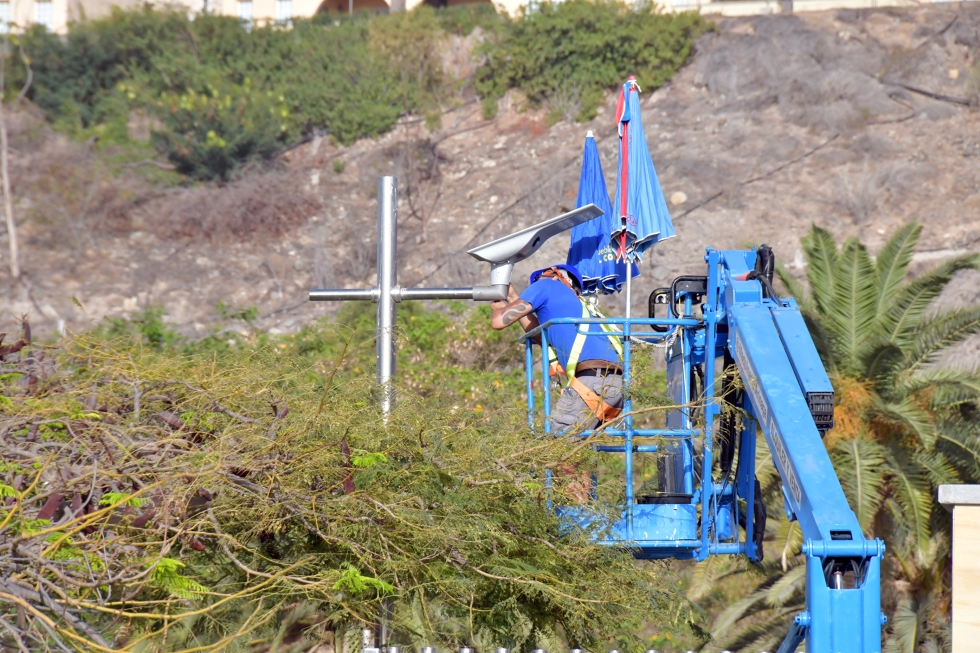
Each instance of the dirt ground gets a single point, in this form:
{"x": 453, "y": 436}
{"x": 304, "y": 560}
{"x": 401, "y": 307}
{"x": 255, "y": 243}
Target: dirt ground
{"x": 777, "y": 123}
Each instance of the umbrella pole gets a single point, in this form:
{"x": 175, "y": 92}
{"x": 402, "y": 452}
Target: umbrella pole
{"x": 629, "y": 288}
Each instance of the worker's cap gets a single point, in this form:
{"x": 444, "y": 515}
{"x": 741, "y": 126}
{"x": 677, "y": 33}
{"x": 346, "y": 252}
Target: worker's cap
{"x": 570, "y": 271}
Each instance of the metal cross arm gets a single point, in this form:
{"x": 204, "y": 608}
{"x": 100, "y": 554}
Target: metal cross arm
{"x": 502, "y": 254}
{"x": 399, "y": 294}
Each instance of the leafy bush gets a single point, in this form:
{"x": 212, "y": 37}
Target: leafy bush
{"x": 209, "y": 134}
{"x": 225, "y": 95}
{"x": 578, "y": 48}
{"x": 410, "y": 42}
{"x": 78, "y": 75}
{"x": 243, "y": 525}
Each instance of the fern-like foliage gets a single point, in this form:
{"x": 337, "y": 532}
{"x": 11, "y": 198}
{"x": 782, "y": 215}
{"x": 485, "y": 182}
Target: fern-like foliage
{"x": 354, "y": 582}
{"x": 166, "y": 575}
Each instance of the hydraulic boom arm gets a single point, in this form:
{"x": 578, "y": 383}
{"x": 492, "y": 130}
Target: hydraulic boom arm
{"x": 788, "y": 393}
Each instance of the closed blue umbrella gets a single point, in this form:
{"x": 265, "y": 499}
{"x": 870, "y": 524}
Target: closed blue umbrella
{"x": 590, "y": 250}
{"x": 639, "y": 209}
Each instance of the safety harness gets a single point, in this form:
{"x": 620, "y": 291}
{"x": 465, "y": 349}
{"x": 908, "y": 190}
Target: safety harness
{"x": 596, "y": 404}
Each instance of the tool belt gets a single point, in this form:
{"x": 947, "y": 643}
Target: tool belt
{"x": 596, "y": 404}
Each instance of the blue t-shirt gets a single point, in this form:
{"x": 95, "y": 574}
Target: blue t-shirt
{"x": 552, "y": 299}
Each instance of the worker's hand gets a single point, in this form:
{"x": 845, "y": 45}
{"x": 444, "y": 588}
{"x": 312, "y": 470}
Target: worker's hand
{"x": 512, "y": 295}
{"x": 498, "y": 304}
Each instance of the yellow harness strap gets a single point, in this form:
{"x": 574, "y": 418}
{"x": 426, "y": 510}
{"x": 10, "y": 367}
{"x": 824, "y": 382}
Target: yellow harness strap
{"x": 554, "y": 366}
{"x": 599, "y": 408}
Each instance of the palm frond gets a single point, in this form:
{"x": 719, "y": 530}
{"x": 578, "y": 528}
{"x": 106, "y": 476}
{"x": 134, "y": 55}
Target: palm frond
{"x": 904, "y": 628}
{"x": 736, "y": 611}
{"x": 932, "y": 646}
{"x": 893, "y": 262}
{"x": 705, "y": 576}
{"x": 751, "y": 638}
{"x": 794, "y": 288}
{"x": 913, "y": 494}
{"x": 859, "y": 464}
{"x": 950, "y": 386}
{"x": 851, "y": 313}
{"x": 937, "y": 467}
{"x": 821, "y": 258}
{"x": 787, "y": 588}
{"x": 942, "y": 331}
{"x": 907, "y": 416}
{"x": 879, "y": 361}
{"x": 959, "y": 441}
{"x": 913, "y": 299}
{"x": 765, "y": 470}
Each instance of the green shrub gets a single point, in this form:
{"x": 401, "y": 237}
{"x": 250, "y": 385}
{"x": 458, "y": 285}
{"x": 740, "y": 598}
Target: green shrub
{"x": 463, "y": 19}
{"x": 318, "y": 75}
{"x": 334, "y": 80}
{"x": 80, "y": 72}
{"x": 311, "y": 517}
{"x": 353, "y": 76}
{"x": 570, "y": 51}
{"x": 209, "y": 134}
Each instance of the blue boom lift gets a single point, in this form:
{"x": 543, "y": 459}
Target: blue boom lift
{"x": 730, "y": 320}
{"x": 733, "y": 317}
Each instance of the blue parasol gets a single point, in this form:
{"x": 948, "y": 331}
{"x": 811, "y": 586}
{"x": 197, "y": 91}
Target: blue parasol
{"x": 640, "y": 213}
{"x": 590, "y": 250}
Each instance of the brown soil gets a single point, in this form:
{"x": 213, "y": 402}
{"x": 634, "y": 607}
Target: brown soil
{"x": 778, "y": 122}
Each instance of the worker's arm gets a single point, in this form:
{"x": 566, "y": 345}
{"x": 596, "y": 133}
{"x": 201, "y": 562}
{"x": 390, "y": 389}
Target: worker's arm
{"x": 505, "y": 313}
{"x": 529, "y": 321}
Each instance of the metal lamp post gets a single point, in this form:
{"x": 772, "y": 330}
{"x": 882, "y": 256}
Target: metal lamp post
{"x": 387, "y": 294}
{"x": 501, "y": 254}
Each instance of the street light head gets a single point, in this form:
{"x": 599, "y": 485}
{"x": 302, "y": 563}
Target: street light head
{"x": 504, "y": 252}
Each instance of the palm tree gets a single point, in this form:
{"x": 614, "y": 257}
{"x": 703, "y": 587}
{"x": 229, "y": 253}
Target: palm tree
{"x": 904, "y": 424}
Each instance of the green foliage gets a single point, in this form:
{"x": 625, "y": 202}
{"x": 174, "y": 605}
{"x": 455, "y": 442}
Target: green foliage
{"x": 248, "y": 314}
{"x": 225, "y": 96}
{"x": 353, "y": 582}
{"x": 463, "y": 19}
{"x": 368, "y": 460}
{"x": 252, "y": 525}
{"x": 208, "y": 135}
{"x": 166, "y": 574}
{"x": 409, "y": 42}
{"x": 123, "y": 498}
{"x": 148, "y": 324}
{"x": 572, "y": 51}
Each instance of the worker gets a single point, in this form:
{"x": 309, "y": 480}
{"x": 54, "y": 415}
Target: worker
{"x": 594, "y": 392}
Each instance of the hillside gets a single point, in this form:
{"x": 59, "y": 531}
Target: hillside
{"x": 778, "y": 122}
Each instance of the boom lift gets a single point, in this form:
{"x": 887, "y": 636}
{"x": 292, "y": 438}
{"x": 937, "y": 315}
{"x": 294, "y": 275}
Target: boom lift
{"x": 732, "y": 321}
{"x": 743, "y": 324}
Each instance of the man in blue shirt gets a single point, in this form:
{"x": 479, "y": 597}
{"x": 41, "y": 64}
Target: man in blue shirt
{"x": 594, "y": 393}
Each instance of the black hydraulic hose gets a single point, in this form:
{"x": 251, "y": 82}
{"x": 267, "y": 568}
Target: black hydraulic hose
{"x": 765, "y": 270}
{"x": 767, "y": 289}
